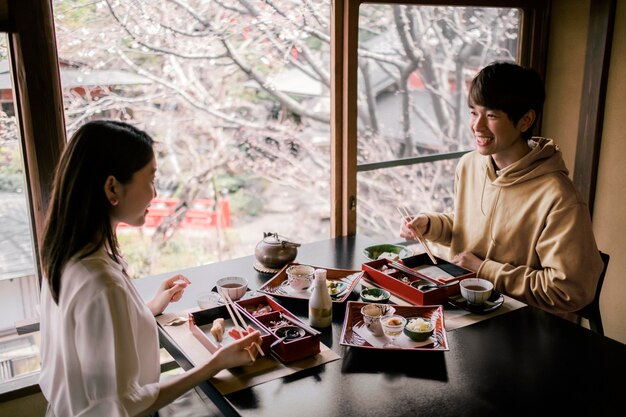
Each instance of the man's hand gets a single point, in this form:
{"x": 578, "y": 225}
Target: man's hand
{"x": 468, "y": 261}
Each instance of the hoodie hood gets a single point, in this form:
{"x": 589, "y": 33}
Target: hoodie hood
{"x": 544, "y": 158}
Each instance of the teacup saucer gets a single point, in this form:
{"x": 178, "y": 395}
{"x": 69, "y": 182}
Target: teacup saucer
{"x": 493, "y": 303}
{"x": 285, "y": 288}
{"x": 288, "y": 289}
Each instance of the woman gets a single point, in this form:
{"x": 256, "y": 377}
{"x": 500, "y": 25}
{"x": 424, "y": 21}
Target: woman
{"x": 100, "y": 349}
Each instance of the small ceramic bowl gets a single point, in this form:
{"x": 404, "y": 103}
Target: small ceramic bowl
{"x": 375, "y": 295}
{"x": 387, "y": 251}
{"x": 300, "y": 277}
{"x": 418, "y": 329}
{"x": 476, "y": 290}
{"x": 235, "y": 287}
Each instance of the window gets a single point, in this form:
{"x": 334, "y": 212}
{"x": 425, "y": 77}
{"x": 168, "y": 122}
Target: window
{"x": 415, "y": 65}
{"x": 238, "y": 97}
{"x": 19, "y": 289}
{"x": 402, "y": 99}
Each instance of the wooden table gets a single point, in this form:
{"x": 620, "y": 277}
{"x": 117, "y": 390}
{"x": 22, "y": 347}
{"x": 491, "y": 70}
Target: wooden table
{"x": 523, "y": 363}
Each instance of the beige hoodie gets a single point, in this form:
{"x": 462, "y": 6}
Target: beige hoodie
{"x": 530, "y": 226}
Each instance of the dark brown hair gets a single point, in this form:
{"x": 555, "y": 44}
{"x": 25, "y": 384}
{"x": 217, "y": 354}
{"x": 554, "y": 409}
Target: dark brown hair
{"x": 509, "y": 88}
{"x": 78, "y": 218}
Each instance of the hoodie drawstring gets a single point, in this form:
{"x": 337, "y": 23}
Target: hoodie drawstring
{"x": 492, "y": 214}
{"x": 482, "y": 194}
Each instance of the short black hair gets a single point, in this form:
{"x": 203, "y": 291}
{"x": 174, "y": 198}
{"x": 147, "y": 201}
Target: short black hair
{"x": 510, "y": 88}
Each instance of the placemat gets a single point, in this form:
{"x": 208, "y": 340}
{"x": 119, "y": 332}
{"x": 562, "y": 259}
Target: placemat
{"x": 457, "y": 318}
{"x": 227, "y": 381}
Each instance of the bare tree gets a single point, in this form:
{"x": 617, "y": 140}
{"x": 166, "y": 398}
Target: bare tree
{"x": 214, "y": 99}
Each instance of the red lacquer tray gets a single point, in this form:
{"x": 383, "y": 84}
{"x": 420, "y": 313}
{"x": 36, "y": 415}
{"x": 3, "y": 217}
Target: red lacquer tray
{"x": 305, "y": 344}
{"x": 404, "y": 290}
{"x": 355, "y": 334}
{"x": 346, "y": 278}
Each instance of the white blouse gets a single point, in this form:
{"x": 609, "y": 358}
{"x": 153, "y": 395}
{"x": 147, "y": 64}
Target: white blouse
{"x": 99, "y": 345}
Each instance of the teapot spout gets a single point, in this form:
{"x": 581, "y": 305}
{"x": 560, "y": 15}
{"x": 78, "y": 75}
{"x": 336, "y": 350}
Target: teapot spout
{"x": 288, "y": 244}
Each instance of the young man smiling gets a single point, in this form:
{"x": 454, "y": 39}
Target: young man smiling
{"x": 518, "y": 220}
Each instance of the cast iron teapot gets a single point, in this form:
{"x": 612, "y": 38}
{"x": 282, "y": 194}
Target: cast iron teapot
{"x": 275, "y": 251}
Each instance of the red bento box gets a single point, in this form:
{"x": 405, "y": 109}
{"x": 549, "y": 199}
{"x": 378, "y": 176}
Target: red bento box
{"x": 282, "y": 333}
{"x": 392, "y": 280}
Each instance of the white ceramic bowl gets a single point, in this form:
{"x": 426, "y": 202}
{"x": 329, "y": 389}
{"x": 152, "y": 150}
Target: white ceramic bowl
{"x": 235, "y": 287}
{"x": 476, "y": 290}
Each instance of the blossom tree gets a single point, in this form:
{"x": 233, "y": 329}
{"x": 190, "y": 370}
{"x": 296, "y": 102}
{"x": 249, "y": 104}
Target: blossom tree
{"x": 243, "y": 86}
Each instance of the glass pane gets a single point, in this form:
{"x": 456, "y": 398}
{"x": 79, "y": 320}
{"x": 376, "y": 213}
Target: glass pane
{"x": 19, "y": 287}
{"x": 427, "y": 187}
{"x": 237, "y": 95}
{"x": 415, "y": 66}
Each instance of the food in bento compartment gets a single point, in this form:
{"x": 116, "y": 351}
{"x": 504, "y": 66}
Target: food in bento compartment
{"x": 259, "y": 309}
{"x": 277, "y": 324}
{"x": 387, "y": 270}
{"x": 217, "y": 329}
{"x": 389, "y": 255}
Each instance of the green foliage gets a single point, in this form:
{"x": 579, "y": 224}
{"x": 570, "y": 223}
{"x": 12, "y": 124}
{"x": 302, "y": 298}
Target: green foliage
{"x": 75, "y": 13}
{"x": 243, "y": 200}
{"x": 11, "y": 169}
{"x": 181, "y": 249}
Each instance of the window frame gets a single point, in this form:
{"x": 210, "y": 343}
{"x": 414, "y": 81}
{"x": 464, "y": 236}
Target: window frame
{"x": 29, "y": 25}
{"x": 344, "y": 64}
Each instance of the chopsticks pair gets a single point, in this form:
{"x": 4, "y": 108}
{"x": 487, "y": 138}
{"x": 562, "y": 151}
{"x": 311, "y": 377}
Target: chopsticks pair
{"x": 406, "y": 216}
{"x": 240, "y": 325}
{"x": 433, "y": 281}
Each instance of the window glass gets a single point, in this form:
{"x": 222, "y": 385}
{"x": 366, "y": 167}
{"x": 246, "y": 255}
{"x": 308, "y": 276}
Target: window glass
{"x": 415, "y": 66}
{"x": 237, "y": 96}
{"x": 19, "y": 288}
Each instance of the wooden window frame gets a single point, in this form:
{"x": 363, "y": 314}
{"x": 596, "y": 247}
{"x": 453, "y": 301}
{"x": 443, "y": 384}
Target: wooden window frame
{"x": 344, "y": 66}
{"x": 38, "y": 100}
{"x": 595, "y": 81}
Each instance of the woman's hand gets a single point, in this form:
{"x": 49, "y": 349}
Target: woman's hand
{"x": 241, "y": 352}
{"x": 419, "y": 223}
{"x": 468, "y": 261}
{"x": 170, "y": 290}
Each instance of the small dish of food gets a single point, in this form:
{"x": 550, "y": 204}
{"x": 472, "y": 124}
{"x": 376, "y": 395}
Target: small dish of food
{"x": 387, "y": 251}
{"x": 336, "y": 288}
{"x": 418, "y": 329}
{"x": 375, "y": 295}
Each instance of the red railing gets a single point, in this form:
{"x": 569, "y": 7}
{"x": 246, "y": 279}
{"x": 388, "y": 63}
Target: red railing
{"x": 202, "y": 213}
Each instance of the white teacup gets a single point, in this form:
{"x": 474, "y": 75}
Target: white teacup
{"x": 372, "y": 313}
{"x": 300, "y": 277}
{"x": 234, "y": 287}
{"x": 476, "y": 290}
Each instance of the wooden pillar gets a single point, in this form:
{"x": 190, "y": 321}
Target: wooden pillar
{"x": 597, "y": 60}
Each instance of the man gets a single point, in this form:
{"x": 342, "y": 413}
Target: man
{"x": 518, "y": 220}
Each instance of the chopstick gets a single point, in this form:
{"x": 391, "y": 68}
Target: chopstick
{"x": 228, "y": 302}
{"x": 300, "y": 324}
{"x": 406, "y": 269}
{"x": 407, "y": 217}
